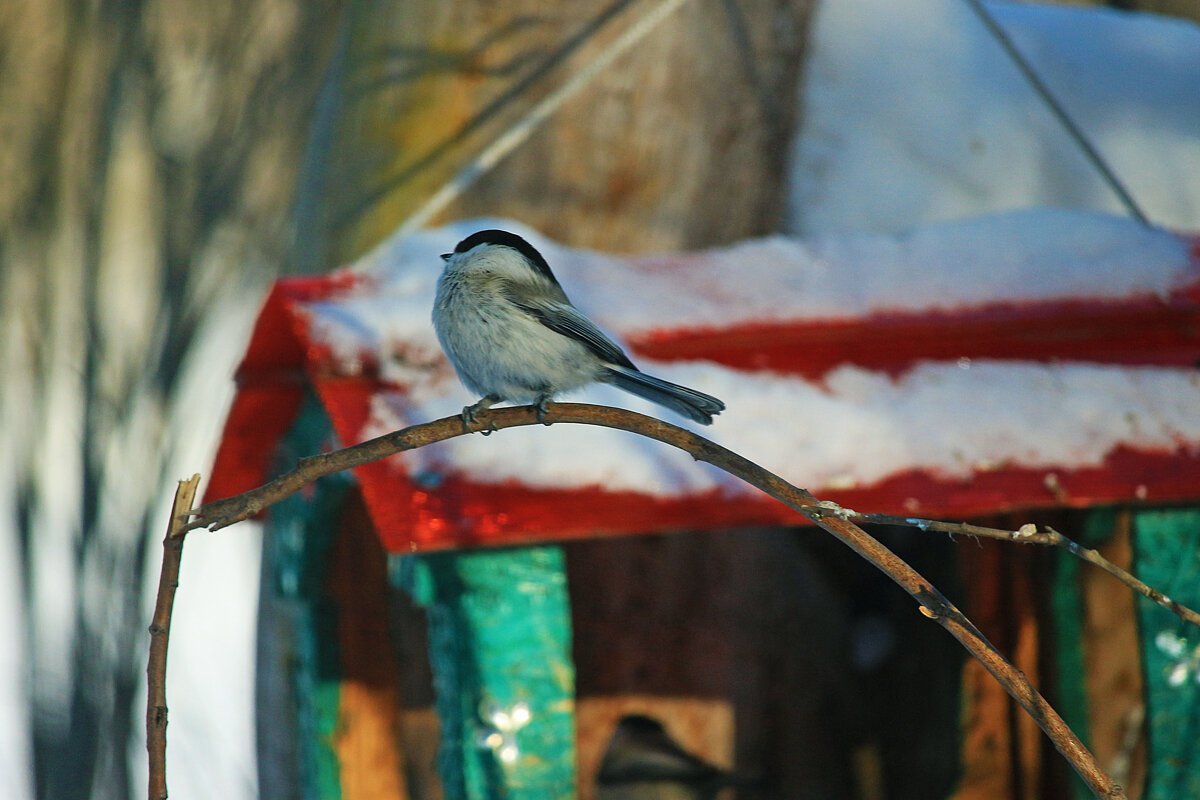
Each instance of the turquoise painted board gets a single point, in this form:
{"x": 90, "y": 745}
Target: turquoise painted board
{"x": 500, "y": 646}
{"x": 1167, "y": 556}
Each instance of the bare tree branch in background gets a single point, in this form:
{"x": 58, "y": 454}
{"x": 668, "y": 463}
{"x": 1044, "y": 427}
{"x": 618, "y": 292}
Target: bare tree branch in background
{"x": 1026, "y": 534}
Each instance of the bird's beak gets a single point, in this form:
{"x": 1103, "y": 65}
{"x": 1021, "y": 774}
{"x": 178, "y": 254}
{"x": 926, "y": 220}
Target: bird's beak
{"x": 446, "y": 256}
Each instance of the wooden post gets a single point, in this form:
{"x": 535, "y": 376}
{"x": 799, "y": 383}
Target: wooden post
{"x": 298, "y": 675}
{"x": 328, "y": 707}
{"x": 1098, "y": 666}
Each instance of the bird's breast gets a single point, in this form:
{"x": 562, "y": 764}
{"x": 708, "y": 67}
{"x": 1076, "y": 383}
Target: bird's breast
{"x": 498, "y": 348}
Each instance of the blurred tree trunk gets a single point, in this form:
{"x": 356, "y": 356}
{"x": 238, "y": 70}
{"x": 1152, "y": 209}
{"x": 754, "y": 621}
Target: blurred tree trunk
{"x": 680, "y": 143}
{"x": 149, "y": 157}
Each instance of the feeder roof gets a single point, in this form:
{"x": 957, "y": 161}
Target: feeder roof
{"x": 1029, "y": 359}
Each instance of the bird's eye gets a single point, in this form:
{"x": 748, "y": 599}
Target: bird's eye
{"x": 446, "y": 256}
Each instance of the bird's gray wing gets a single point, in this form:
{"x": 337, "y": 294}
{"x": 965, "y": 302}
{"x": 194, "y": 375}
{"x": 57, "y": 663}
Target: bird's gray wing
{"x": 564, "y": 318}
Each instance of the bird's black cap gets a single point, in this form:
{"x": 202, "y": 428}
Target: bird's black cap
{"x": 506, "y": 239}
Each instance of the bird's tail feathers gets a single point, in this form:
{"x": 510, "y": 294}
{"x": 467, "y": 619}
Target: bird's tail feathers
{"x": 694, "y": 405}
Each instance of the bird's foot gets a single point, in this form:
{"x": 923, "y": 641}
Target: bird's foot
{"x": 470, "y": 414}
{"x": 543, "y": 405}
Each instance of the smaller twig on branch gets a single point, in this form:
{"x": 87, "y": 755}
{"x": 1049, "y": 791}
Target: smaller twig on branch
{"x": 1026, "y": 534}
{"x": 160, "y": 632}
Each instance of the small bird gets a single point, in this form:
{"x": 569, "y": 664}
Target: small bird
{"x": 643, "y": 762}
{"x": 512, "y": 335}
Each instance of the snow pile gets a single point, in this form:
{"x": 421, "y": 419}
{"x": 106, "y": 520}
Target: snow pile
{"x": 853, "y": 427}
{"x": 1030, "y": 255}
{"x": 911, "y": 113}
{"x": 856, "y": 428}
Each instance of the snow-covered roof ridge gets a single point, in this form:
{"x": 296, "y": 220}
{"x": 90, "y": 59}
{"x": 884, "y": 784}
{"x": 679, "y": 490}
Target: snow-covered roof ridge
{"x": 1026, "y": 256}
{"x": 1020, "y": 256}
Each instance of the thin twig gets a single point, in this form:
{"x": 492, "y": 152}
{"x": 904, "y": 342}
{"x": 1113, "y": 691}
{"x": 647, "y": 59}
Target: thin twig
{"x": 160, "y": 634}
{"x": 932, "y": 604}
{"x": 1027, "y": 534}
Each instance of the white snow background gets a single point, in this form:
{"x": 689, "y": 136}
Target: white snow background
{"x": 911, "y": 115}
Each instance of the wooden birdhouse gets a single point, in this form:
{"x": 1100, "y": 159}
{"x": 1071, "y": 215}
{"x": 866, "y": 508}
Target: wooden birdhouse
{"x": 494, "y": 604}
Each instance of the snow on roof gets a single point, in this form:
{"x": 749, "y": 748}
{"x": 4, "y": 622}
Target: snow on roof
{"x": 851, "y": 427}
{"x": 1019, "y": 256}
{"x": 858, "y": 428}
